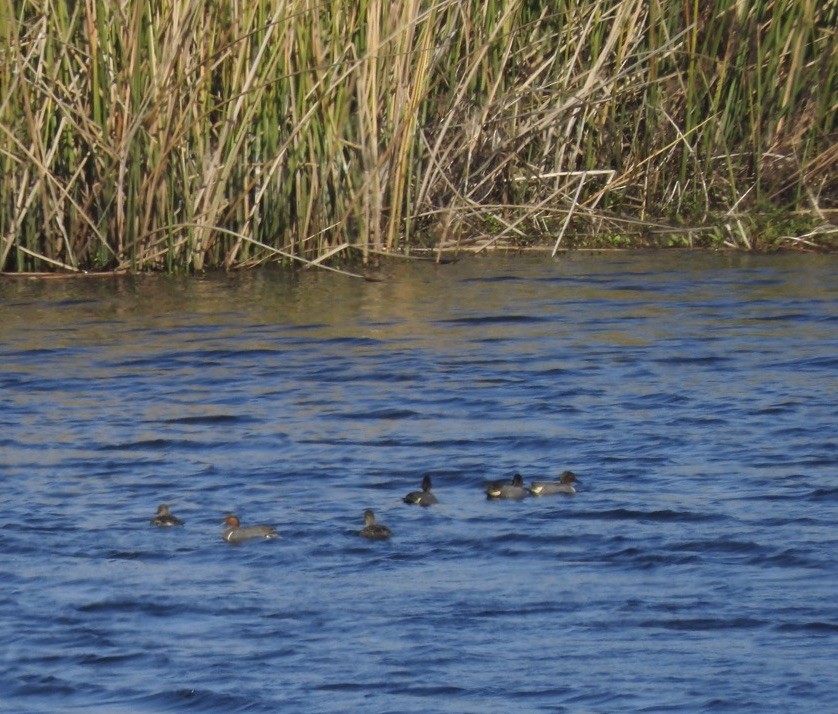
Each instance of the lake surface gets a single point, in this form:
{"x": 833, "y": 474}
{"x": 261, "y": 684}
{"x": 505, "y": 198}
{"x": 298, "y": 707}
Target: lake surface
{"x": 693, "y": 394}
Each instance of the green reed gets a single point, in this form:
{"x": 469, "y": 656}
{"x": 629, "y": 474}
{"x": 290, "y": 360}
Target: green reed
{"x": 182, "y": 135}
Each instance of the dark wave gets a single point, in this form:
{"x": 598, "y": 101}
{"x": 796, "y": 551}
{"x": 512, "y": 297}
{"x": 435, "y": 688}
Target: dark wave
{"x": 156, "y": 444}
{"x": 375, "y": 414}
{"x": 658, "y": 516}
{"x": 643, "y": 559}
{"x": 789, "y": 558}
{"x": 116, "y": 606}
{"x": 720, "y": 545}
{"x": 818, "y": 363}
{"x": 131, "y": 555}
{"x": 693, "y": 359}
{"x": 822, "y": 628}
{"x": 519, "y": 319}
{"x": 37, "y": 685}
{"x": 211, "y": 419}
{"x": 494, "y": 279}
{"x": 349, "y": 341}
{"x": 636, "y": 287}
{"x": 91, "y": 659}
{"x": 781, "y": 317}
{"x": 702, "y": 624}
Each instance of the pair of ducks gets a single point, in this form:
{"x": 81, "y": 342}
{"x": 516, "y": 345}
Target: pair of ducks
{"x": 516, "y": 489}
{"x": 378, "y": 531}
{"x": 236, "y": 533}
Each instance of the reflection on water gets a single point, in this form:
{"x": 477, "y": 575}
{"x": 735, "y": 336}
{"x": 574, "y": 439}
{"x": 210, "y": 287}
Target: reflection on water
{"x": 694, "y": 395}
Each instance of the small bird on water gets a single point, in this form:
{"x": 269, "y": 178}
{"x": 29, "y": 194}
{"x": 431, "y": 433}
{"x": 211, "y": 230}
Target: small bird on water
{"x": 165, "y": 519}
{"x": 373, "y": 530}
{"x": 563, "y": 485}
{"x": 501, "y": 489}
{"x": 236, "y": 533}
{"x": 423, "y": 497}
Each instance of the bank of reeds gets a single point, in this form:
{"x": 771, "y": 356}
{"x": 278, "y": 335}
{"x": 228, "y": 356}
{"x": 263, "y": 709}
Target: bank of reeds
{"x": 183, "y": 134}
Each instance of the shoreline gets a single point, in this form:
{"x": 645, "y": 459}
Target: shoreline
{"x": 448, "y": 254}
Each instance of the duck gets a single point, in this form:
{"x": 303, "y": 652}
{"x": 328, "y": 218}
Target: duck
{"x": 563, "y": 485}
{"x": 165, "y": 519}
{"x": 423, "y": 497}
{"x": 235, "y": 533}
{"x": 514, "y": 490}
{"x": 373, "y": 530}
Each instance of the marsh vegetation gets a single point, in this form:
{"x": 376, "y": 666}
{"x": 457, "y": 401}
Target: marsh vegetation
{"x": 182, "y": 135}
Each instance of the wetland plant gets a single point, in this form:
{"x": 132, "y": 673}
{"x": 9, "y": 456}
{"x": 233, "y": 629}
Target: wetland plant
{"x": 187, "y": 135}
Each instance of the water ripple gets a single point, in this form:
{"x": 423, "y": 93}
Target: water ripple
{"x": 693, "y": 394}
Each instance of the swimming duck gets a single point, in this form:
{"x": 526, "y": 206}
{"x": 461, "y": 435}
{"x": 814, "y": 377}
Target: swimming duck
{"x": 563, "y": 485}
{"x": 514, "y": 490}
{"x": 234, "y": 533}
{"x": 164, "y": 519}
{"x": 423, "y": 497}
{"x": 373, "y": 530}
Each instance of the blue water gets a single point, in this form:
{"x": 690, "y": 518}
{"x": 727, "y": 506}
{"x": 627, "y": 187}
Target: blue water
{"x": 693, "y": 394}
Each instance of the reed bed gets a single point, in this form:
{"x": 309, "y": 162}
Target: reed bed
{"x": 183, "y": 135}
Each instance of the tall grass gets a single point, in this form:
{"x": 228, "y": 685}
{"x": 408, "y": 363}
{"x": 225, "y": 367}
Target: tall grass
{"x": 183, "y": 134}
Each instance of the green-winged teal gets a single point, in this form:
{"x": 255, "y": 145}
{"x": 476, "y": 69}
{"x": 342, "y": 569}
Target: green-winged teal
{"x": 235, "y": 533}
{"x": 563, "y": 485}
{"x": 501, "y": 489}
{"x": 373, "y": 530}
{"x": 164, "y": 519}
{"x": 423, "y": 497}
